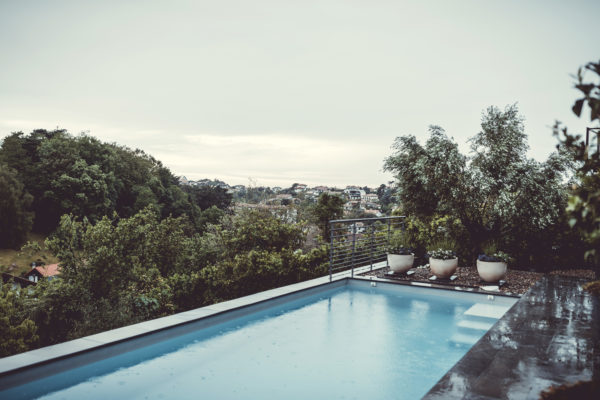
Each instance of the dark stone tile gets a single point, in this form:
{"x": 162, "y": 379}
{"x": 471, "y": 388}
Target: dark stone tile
{"x": 551, "y": 336}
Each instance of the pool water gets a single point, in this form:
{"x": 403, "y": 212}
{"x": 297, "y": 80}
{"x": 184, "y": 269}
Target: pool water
{"x": 352, "y": 342}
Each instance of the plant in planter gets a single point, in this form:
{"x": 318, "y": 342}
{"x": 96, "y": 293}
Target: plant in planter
{"x": 399, "y": 255}
{"x": 492, "y": 265}
{"x": 443, "y": 261}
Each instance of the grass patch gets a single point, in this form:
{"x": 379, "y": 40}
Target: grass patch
{"x": 16, "y": 262}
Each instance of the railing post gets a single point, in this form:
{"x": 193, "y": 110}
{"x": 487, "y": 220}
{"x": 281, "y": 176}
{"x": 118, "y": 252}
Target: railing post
{"x": 389, "y": 233}
{"x": 353, "y": 247}
{"x": 330, "y": 250}
{"x": 371, "y": 251}
{"x": 403, "y": 227}
{"x": 589, "y": 130}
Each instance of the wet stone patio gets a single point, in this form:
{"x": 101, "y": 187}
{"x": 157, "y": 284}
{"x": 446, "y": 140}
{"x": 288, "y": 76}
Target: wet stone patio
{"x": 550, "y": 337}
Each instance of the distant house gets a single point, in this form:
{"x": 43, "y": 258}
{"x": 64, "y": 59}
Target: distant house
{"x": 354, "y": 194}
{"x": 17, "y": 281}
{"x": 320, "y": 189}
{"x": 47, "y": 271}
{"x": 300, "y": 187}
{"x": 372, "y": 198}
{"x": 353, "y": 205}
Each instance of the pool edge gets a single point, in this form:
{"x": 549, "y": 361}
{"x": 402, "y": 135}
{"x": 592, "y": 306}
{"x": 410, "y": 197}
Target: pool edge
{"x": 21, "y": 368}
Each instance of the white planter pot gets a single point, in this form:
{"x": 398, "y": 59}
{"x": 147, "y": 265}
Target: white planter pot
{"x": 443, "y": 268}
{"x": 400, "y": 263}
{"x": 491, "y": 271}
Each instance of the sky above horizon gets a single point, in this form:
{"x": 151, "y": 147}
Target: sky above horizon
{"x": 275, "y": 92}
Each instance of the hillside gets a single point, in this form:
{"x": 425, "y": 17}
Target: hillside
{"x": 17, "y": 262}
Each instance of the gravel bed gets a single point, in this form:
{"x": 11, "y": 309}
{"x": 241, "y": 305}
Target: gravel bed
{"x": 575, "y": 273}
{"x": 517, "y": 282}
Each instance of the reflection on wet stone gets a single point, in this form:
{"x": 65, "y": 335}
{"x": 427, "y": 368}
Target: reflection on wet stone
{"x": 550, "y": 337}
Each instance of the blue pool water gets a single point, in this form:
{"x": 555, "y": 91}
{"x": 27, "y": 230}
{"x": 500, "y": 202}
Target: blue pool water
{"x": 352, "y": 342}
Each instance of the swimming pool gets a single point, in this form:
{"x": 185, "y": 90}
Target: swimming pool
{"x": 350, "y": 341}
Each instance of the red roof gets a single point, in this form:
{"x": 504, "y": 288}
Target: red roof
{"x": 46, "y": 270}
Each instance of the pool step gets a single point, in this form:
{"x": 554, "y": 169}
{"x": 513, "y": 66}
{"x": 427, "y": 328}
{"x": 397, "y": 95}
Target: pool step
{"x": 467, "y": 325}
{"x": 476, "y": 321}
{"x": 469, "y": 330}
{"x": 462, "y": 339}
{"x": 481, "y": 310}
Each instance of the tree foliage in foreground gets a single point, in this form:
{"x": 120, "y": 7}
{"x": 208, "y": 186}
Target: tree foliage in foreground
{"x": 119, "y": 271}
{"x": 15, "y": 218}
{"x": 584, "y": 201}
{"x": 255, "y": 251}
{"x": 496, "y": 192}
{"x": 17, "y": 332}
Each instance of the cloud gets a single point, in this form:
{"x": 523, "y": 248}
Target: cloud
{"x": 276, "y": 159}
{"x": 272, "y": 160}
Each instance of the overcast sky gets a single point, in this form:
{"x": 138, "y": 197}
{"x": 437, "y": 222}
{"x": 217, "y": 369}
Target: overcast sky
{"x": 289, "y": 91}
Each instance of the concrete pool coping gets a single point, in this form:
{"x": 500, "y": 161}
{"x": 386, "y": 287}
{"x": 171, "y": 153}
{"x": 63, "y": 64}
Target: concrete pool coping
{"x": 502, "y": 358}
{"x": 46, "y": 361}
{"x": 22, "y": 368}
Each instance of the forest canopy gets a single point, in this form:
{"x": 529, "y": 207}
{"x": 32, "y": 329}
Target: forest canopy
{"x": 53, "y": 173}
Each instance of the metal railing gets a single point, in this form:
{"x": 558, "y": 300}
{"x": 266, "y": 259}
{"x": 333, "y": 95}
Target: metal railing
{"x": 595, "y": 130}
{"x": 360, "y": 242}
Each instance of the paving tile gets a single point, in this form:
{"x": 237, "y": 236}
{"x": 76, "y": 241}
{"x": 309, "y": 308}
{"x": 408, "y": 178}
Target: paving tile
{"x": 551, "y": 336}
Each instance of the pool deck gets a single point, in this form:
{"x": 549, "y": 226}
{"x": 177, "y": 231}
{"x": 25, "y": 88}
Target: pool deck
{"x": 551, "y": 336}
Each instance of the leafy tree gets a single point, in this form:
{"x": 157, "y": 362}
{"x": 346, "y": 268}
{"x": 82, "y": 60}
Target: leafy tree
{"x": 584, "y": 201}
{"x": 188, "y": 290}
{"x": 15, "y": 218}
{"x": 386, "y": 198}
{"x": 84, "y": 190}
{"x": 258, "y": 269}
{"x": 211, "y": 215}
{"x": 119, "y": 271}
{"x": 61, "y": 310}
{"x": 328, "y": 207}
{"x": 254, "y": 229}
{"x": 105, "y": 257}
{"x": 85, "y": 177}
{"x": 114, "y": 272}
{"x": 497, "y": 193}
{"x": 207, "y": 196}
{"x": 18, "y": 332}
{"x": 255, "y": 194}
{"x": 252, "y": 251}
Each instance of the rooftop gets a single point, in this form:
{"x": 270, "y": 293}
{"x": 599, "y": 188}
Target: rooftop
{"x": 46, "y": 270}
